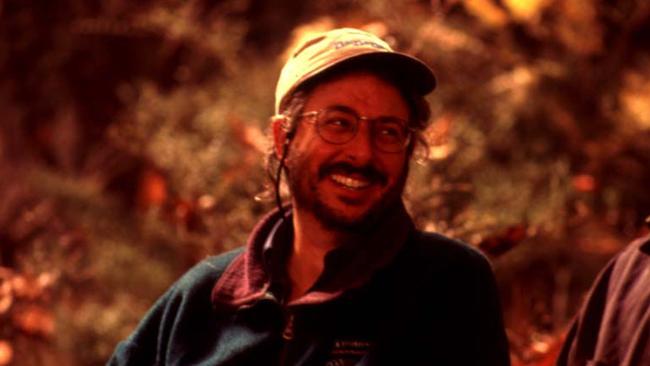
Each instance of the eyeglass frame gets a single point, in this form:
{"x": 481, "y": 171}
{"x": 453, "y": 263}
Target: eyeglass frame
{"x": 314, "y": 116}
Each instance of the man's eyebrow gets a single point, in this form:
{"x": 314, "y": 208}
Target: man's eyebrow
{"x": 345, "y": 108}
{"x": 342, "y": 108}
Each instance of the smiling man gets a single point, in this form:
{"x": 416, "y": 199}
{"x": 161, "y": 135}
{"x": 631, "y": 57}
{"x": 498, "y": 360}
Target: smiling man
{"x": 339, "y": 276}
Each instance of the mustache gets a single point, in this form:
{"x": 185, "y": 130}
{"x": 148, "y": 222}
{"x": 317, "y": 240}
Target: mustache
{"x": 368, "y": 171}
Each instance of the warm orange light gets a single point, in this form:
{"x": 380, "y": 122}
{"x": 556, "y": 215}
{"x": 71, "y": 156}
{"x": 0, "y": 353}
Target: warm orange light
{"x": 6, "y": 353}
{"x": 635, "y": 99}
{"x": 584, "y": 183}
{"x": 487, "y": 12}
{"x": 35, "y": 320}
{"x": 525, "y": 9}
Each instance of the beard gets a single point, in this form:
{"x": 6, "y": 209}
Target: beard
{"x": 303, "y": 186}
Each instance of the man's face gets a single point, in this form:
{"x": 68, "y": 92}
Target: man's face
{"x": 348, "y": 186}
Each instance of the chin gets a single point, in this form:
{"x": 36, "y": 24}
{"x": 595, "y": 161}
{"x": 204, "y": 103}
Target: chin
{"x": 340, "y": 219}
{"x": 354, "y": 219}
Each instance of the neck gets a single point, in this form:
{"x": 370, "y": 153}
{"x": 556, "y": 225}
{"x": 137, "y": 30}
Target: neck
{"x": 312, "y": 242}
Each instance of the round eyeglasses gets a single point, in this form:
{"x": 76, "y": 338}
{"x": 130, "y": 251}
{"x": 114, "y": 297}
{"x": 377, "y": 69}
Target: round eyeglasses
{"x": 339, "y": 126}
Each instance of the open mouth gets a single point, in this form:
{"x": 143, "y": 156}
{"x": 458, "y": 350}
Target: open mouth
{"x": 349, "y": 182}
{"x": 352, "y": 178}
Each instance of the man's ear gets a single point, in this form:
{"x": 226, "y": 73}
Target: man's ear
{"x": 279, "y": 125}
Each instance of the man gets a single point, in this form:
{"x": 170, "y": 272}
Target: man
{"x": 340, "y": 276}
{"x": 613, "y": 327}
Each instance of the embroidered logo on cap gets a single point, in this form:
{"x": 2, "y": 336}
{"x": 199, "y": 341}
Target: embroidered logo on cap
{"x": 357, "y": 43}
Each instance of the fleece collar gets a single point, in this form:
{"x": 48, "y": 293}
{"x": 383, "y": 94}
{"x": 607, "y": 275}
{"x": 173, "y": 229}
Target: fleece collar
{"x": 645, "y": 244}
{"x": 261, "y": 267}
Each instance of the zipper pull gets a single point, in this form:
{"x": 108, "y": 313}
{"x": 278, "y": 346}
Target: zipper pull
{"x": 287, "y": 333}
{"x": 287, "y": 336}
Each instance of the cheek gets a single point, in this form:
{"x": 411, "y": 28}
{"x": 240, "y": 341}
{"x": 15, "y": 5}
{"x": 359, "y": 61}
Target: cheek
{"x": 302, "y": 160}
{"x": 396, "y": 168}
{"x": 306, "y": 142}
{"x": 311, "y": 150}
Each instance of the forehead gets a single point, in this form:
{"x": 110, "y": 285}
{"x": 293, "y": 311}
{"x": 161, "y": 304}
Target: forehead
{"x": 365, "y": 92}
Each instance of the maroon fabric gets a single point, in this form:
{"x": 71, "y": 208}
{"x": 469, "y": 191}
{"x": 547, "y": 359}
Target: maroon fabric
{"x": 246, "y": 279}
{"x": 249, "y": 277}
{"x": 613, "y": 327}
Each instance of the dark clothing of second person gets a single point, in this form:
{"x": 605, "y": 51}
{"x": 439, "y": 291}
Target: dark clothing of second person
{"x": 613, "y": 327}
{"x": 401, "y": 297}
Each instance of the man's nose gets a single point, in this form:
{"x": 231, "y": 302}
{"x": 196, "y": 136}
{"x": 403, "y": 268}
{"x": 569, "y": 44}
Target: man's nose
{"x": 360, "y": 149}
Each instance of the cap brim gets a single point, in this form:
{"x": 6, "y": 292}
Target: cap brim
{"x": 410, "y": 70}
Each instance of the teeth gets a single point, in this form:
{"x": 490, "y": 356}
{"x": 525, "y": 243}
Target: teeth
{"x": 349, "y": 182}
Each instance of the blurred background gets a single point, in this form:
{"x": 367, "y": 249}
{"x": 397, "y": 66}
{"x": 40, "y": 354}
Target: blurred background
{"x": 132, "y": 137}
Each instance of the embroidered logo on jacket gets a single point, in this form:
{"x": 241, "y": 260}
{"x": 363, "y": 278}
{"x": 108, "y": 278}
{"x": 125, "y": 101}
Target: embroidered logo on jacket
{"x": 347, "y": 352}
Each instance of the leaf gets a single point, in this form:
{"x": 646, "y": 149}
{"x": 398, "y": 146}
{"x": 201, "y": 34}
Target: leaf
{"x": 488, "y": 12}
{"x": 526, "y": 9}
{"x": 6, "y": 353}
{"x": 584, "y": 183}
{"x": 35, "y": 320}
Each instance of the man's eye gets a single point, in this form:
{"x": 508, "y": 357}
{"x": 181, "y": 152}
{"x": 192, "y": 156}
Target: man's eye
{"x": 390, "y": 130}
{"x": 337, "y": 122}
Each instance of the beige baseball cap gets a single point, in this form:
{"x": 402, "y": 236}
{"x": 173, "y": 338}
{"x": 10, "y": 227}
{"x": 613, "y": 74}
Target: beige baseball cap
{"x": 323, "y": 51}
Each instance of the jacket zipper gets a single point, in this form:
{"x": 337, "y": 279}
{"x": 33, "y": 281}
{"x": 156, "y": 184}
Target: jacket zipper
{"x": 287, "y": 336}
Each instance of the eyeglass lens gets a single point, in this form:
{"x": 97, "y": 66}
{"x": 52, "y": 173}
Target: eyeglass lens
{"x": 389, "y": 134}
